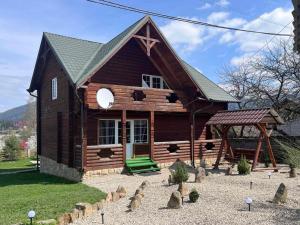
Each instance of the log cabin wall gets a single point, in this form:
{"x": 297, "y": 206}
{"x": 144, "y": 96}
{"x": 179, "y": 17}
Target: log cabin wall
{"x": 50, "y": 109}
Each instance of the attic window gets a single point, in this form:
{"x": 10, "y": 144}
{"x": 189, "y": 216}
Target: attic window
{"x": 54, "y": 88}
{"x": 152, "y": 81}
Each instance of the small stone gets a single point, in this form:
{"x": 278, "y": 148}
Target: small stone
{"x": 50, "y": 221}
{"x": 293, "y": 173}
{"x": 228, "y": 171}
{"x": 122, "y": 191}
{"x": 100, "y": 204}
{"x": 183, "y": 189}
{"x": 74, "y": 214}
{"x": 115, "y": 196}
{"x": 200, "y": 174}
{"x": 134, "y": 204}
{"x": 108, "y": 197}
{"x": 64, "y": 219}
{"x": 139, "y": 191}
{"x": 281, "y": 194}
{"x": 144, "y": 184}
{"x": 86, "y": 208}
{"x": 175, "y": 201}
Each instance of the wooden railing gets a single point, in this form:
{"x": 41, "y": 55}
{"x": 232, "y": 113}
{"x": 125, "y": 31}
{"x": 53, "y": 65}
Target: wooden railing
{"x": 137, "y": 98}
{"x": 104, "y": 156}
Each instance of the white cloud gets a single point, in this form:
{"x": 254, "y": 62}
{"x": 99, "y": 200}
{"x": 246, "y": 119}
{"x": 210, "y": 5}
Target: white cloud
{"x": 223, "y": 3}
{"x": 205, "y": 6}
{"x": 216, "y": 17}
{"x": 184, "y": 36}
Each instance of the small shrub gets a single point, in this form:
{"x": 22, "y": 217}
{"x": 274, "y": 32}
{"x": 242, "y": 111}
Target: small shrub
{"x": 194, "y": 195}
{"x": 12, "y": 148}
{"x": 243, "y": 166}
{"x": 180, "y": 175}
{"x": 266, "y": 159}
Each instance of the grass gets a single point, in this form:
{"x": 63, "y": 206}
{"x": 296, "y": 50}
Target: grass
{"x": 11, "y": 166}
{"x": 48, "y": 195}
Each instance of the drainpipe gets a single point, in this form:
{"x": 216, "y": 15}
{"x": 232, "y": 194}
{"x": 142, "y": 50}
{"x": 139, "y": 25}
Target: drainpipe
{"x": 193, "y": 124}
{"x": 37, "y": 155}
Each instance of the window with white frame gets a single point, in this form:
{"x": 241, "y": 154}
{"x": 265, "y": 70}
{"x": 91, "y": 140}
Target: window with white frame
{"x": 152, "y": 81}
{"x": 54, "y": 88}
{"x": 140, "y": 131}
{"x": 108, "y": 132}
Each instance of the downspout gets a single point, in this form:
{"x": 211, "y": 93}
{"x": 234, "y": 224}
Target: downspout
{"x": 37, "y": 155}
{"x": 193, "y": 124}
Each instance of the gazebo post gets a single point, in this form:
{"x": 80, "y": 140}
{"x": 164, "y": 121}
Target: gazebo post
{"x": 257, "y": 151}
{"x": 224, "y": 135}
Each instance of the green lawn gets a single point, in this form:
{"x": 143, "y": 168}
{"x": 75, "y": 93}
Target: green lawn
{"x": 11, "y": 166}
{"x": 48, "y": 195}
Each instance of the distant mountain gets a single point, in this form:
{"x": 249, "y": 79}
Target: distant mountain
{"x": 14, "y": 114}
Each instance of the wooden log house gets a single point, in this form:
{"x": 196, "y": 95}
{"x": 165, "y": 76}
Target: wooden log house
{"x": 160, "y": 110}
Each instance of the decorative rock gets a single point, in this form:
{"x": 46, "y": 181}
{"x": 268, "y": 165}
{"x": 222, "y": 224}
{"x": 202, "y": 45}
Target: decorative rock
{"x": 50, "y": 221}
{"x": 144, "y": 184}
{"x": 228, "y": 171}
{"x": 86, "y": 208}
{"x": 115, "y": 196}
{"x": 75, "y": 214}
{"x": 200, "y": 174}
{"x": 293, "y": 173}
{"x": 64, "y": 219}
{"x": 281, "y": 194}
{"x": 134, "y": 204}
{"x": 100, "y": 204}
{"x": 122, "y": 191}
{"x": 139, "y": 191}
{"x": 108, "y": 197}
{"x": 183, "y": 189}
{"x": 175, "y": 201}
{"x": 171, "y": 179}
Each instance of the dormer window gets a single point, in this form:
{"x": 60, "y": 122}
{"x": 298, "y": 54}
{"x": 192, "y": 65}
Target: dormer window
{"x": 152, "y": 81}
{"x": 54, "y": 88}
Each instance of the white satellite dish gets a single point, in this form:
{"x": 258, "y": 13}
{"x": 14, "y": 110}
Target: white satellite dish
{"x": 105, "y": 98}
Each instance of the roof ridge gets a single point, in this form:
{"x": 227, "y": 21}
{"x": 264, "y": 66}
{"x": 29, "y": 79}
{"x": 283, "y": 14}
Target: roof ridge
{"x": 79, "y": 39}
{"x": 252, "y": 109}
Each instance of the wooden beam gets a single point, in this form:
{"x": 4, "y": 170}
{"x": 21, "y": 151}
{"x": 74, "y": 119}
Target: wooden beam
{"x": 145, "y": 38}
{"x": 224, "y": 135}
{"x": 152, "y": 135}
{"x": 123, "y": 122}
{"x": 257, "y": 151}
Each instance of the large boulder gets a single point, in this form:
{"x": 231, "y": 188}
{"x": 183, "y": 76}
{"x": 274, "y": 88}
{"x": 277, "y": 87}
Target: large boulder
{"x": 281, "y": 194}
{"x": 122, "y": 191}
{"x": 115, "y": 196}
{"x": 183, "y": 189}
{"x": 293, "y": 173}
{"x": 134, "y": 204}
{"x": 64, "y": 219}
{"x": 200, "y": 174}
{"x": 139, "y": 191}
{"x": 175, "y": 201}
{"x": 108, "y": 197}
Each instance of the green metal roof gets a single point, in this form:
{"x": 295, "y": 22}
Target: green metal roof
{"x": 82, "y": 58}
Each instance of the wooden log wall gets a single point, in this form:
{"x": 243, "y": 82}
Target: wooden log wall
{"x": 95, "y": 162}
{"x": 155, "y": 99}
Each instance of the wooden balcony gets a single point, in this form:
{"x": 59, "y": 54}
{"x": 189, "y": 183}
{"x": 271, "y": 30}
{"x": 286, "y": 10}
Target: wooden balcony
{"x": 137, "y": 98}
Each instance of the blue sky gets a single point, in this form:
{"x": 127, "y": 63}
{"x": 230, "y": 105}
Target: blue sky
{"x": 22, "y": 23}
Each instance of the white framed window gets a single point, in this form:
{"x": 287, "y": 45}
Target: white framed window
{"x": 54, "y": 88}
{"x": 110, "y": 131}
{"x": 152, "y": 81}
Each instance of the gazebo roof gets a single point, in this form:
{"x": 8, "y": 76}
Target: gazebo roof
{"x": 246, "y": 117}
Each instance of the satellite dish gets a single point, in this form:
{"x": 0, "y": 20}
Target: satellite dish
{"x": 105, "y": 98}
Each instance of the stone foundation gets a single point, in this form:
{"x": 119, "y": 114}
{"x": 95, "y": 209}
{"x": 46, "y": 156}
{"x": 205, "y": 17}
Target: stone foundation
{"x": 92, "y": 173}
{"x": 50, "y": 166}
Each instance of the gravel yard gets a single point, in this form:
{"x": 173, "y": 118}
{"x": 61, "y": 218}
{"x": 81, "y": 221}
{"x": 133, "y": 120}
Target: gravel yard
{"x": 221, "y": 200}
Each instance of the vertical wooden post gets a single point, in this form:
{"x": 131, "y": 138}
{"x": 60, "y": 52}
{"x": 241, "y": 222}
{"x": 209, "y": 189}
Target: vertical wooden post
{"x": 224, "y": 134}
{"x": 192, "y": 139}
{"x": 269, "y": 148}
{"x": 257, "y": 151}
{"x": 123, "y": 122}
{"x": 152, "y": 134}
{"x": 84, "y": 130}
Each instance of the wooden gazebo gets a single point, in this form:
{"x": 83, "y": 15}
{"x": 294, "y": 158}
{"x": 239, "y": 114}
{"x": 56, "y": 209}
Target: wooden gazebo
{"x": 260, "y": 118}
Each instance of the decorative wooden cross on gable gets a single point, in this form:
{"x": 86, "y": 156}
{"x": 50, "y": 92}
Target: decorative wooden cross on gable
{"x": 147, "y": 41}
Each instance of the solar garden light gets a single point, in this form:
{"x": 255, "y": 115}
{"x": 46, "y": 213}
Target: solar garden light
{"x": 251, "y": 184}
{"x": 248, "y": 200}
{"x": 269, "y": 174}
{"x": 31, "y": 215}
{"x": 102, "y": 216}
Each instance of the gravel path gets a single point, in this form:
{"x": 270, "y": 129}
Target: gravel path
{"x": 221, "y": 200}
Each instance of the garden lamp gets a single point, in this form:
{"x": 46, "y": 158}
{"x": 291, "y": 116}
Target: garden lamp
{"x": 251, "y": 184}
{"x": 269, "y": 174}
{"x": 102, "y": 216}
{"x": 248, "y": 200}
{"x": 31, "y": 215}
